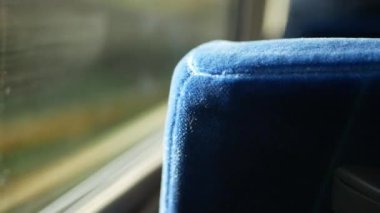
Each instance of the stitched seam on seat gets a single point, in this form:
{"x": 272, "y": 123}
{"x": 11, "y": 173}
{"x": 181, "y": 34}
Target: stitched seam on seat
{"x": 172, "y": 127}
{"x": 287, "y": 70}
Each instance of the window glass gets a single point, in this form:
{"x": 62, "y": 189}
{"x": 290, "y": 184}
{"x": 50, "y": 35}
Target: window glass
{"x": 72, "y": 71}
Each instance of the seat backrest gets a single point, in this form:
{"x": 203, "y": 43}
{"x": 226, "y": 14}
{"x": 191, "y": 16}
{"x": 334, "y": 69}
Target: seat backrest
{"x": 261, "y": 126}
{"x": 334, "y": 18}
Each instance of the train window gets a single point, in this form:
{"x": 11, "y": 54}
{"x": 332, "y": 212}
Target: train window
{"x": 82, "y": 81}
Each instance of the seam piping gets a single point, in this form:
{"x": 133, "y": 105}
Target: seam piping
{"x": 287, "y": 70}
{"x": 172, "y": 127}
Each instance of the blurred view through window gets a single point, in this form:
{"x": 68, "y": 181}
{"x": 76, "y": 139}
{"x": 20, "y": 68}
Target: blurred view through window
{"x": 73, "y": 70}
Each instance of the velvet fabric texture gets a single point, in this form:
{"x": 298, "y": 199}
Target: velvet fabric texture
{"x": 261, "y": 126}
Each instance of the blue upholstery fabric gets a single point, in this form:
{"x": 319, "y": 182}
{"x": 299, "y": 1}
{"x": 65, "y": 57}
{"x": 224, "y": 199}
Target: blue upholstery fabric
{"x": 260, "y": 126}
{"x": 334, "y": 18}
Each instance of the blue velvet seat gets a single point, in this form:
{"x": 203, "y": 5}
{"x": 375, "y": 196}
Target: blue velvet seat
{"x": 261, "y": 126}
{"x": 334, "y": 18}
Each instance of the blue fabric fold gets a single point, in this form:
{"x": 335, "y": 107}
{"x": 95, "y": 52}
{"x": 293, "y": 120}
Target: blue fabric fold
{"x": 261, "y": 126}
